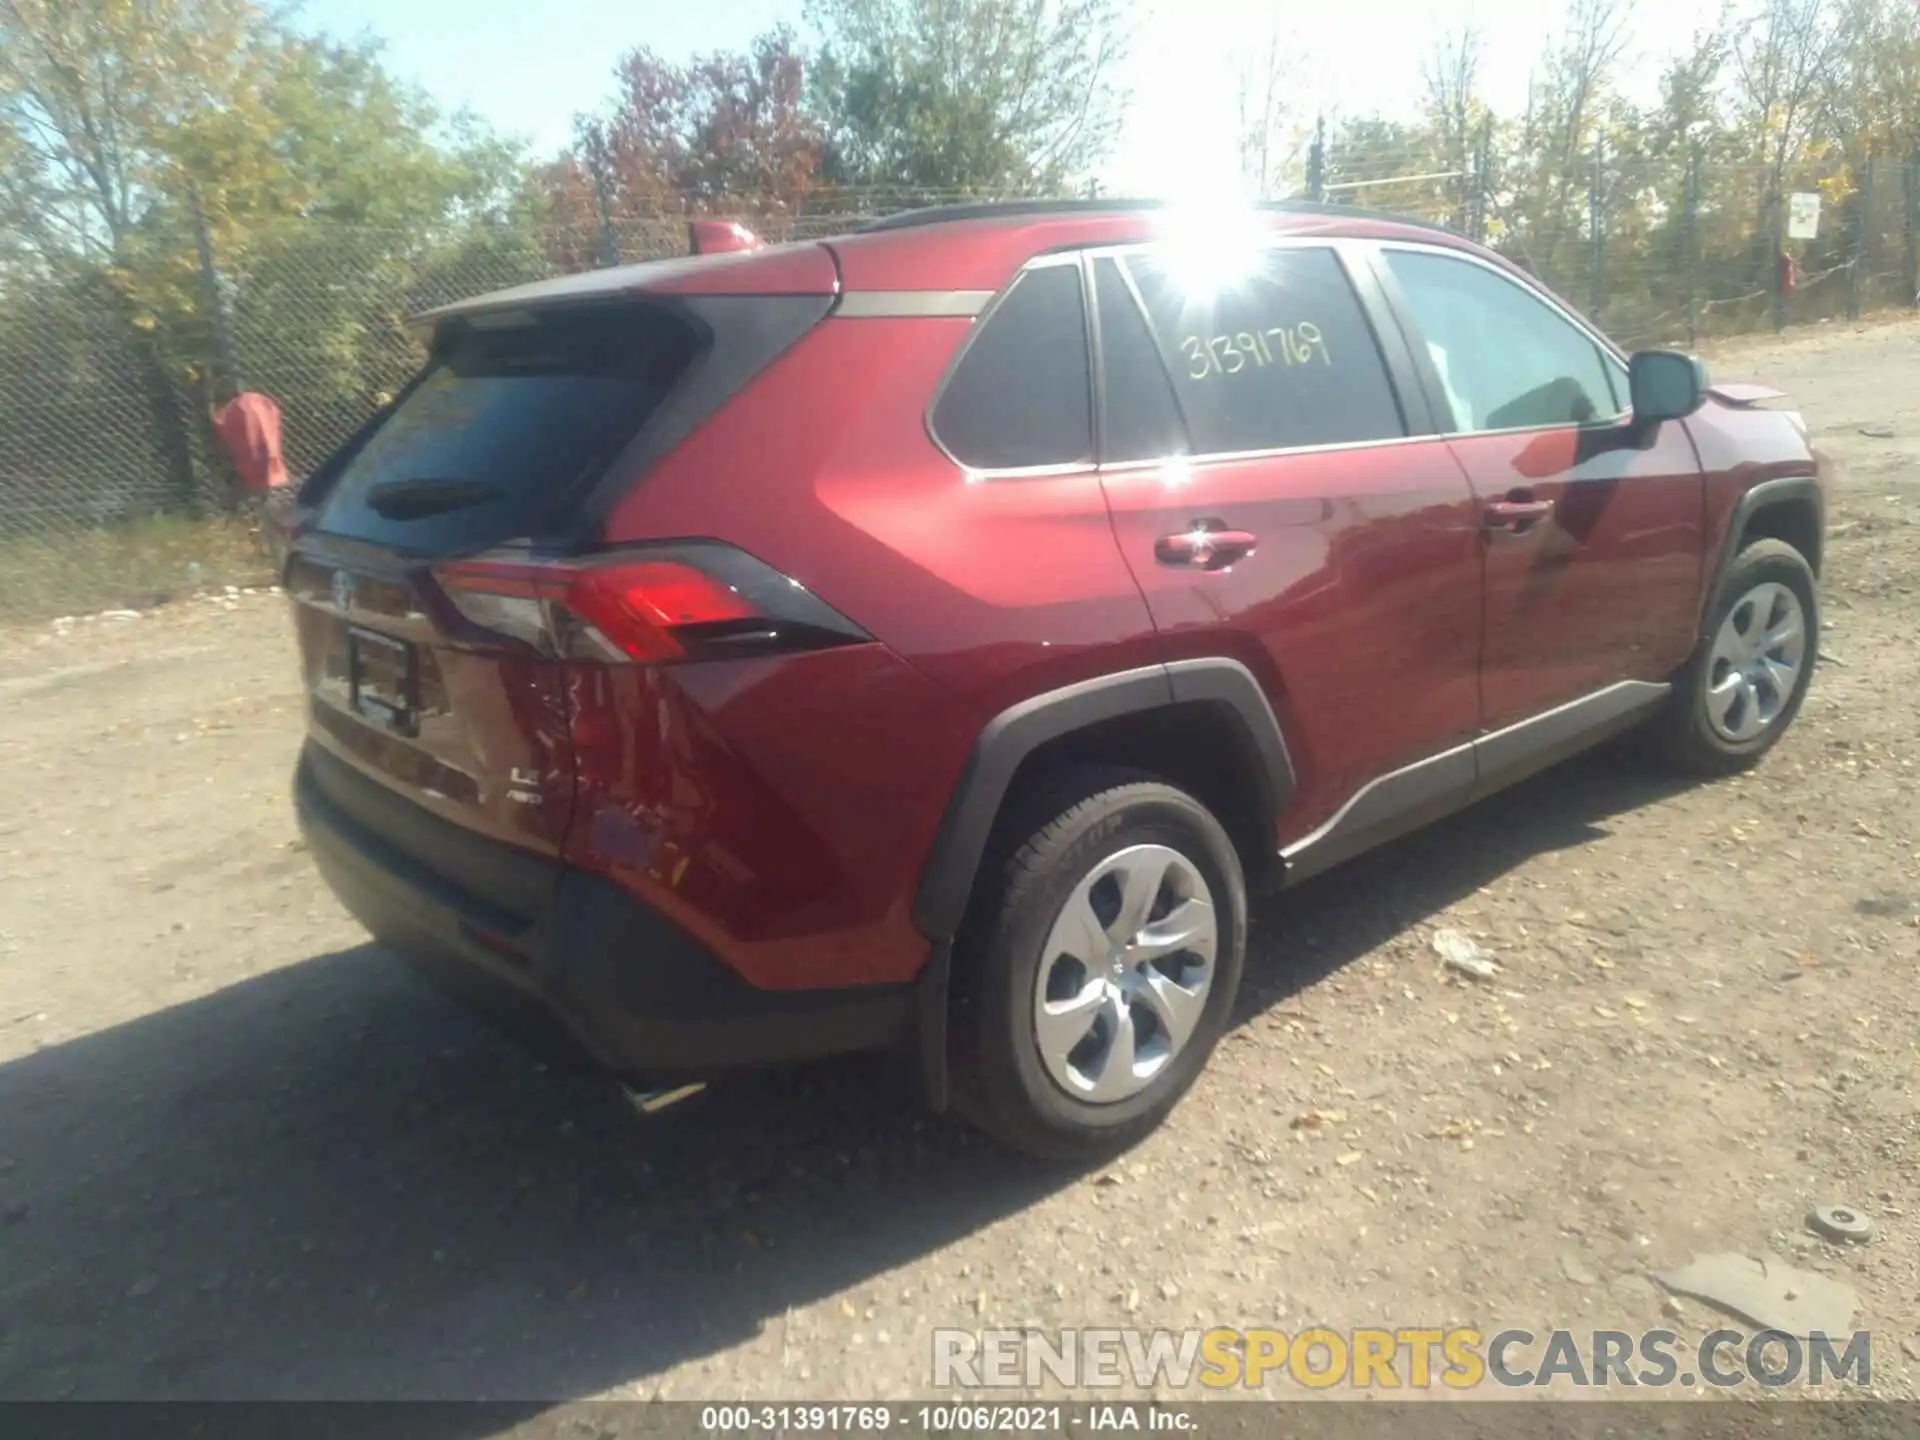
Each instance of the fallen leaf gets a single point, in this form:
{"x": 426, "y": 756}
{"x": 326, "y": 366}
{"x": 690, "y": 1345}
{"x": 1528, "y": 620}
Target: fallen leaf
{"x": 1316, "y": 1119}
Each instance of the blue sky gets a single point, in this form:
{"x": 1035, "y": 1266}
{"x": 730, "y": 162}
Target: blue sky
{"x": 529, "y": 68}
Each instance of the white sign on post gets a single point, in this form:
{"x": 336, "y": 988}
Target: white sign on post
{"x": 1803, "y": 216}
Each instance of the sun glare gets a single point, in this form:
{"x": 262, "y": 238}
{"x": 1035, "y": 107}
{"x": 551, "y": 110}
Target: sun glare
{"x": 1211, "y": 248}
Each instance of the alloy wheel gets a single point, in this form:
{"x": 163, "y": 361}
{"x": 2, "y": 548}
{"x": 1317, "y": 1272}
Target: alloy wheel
{"x": 1756, "y": 661}
{"x": 1125, "y": 975}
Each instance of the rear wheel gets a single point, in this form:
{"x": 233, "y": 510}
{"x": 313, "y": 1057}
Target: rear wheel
{"x": 1747, "y": 679}
{"x": 1095, "y": 977}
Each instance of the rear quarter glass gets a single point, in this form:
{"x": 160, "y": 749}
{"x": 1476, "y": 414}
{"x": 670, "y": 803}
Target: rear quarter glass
{"x": 1021, "y": 394}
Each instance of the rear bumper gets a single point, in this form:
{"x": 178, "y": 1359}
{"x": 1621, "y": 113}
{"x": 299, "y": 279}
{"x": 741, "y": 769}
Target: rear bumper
{"x": 584, "y": 972}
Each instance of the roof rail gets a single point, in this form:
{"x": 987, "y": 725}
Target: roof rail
{"x": 1017, "y": 209}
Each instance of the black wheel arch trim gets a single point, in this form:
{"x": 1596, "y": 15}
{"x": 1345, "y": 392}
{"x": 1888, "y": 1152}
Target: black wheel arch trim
{"x": 953, "y": 863}
{"x": 1786, "y": 490}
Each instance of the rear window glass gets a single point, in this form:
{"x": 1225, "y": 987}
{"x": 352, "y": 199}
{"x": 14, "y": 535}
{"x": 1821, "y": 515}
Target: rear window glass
{"x": 1022, "y": 394}
{"x": 1141, "y": 418}
{"x": 1277, "y": 356}
{"x": 507, "y": 427}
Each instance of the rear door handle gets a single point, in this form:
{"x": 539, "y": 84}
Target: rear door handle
{"x": 1516, "y": 515}
{"x": 1205, "y": 545}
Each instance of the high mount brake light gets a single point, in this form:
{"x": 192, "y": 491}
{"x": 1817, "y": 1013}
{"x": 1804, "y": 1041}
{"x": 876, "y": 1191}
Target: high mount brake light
{"x": 656, "y": 604}
{"x": 716, "y": 237}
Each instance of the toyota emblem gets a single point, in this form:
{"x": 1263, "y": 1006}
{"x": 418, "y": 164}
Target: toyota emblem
{"x": 342, "y": 591}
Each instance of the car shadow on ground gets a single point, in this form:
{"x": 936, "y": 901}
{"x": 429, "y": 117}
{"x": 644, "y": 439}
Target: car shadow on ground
{"x": 327, "y": 1182}
{"x": 1302, "y": 936}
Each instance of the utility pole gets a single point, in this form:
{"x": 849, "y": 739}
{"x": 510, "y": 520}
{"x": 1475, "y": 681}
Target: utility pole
{"x": 1862, "y": 227}
{"x": 219, "y": 308}
{"x": 1482, "y": 180}
{"x": 609, "y": 251}
{"x": 1596, "y": 222}
{"x": 1778, "y": 230}
{"x": 1690, "y": 242}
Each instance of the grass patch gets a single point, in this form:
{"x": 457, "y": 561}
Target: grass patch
{"x": 134, "y": 565}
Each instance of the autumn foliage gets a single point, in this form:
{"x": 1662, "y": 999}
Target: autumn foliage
{"x": 724, "y": 133}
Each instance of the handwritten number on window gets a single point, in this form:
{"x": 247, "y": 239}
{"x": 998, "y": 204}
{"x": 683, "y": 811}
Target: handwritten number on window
{"x": 1282, "y": 345}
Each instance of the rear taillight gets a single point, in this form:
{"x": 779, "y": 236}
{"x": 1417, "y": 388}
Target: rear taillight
{"x": 658, "y": 604}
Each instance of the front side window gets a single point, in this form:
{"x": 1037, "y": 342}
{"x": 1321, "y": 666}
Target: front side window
{"x": 1273, "y": 354}
{"x": 1022, "y": 395}
{"x": 1506, "y": 359}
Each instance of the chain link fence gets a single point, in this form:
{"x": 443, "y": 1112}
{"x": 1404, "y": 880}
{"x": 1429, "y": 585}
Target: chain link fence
{"x": 113, "y": 492}
{"x": 1659, "y": 247}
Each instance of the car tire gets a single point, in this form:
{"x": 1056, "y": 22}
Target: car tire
{"x": 1737, "y": 696}
{"x": 1080, "y": 865}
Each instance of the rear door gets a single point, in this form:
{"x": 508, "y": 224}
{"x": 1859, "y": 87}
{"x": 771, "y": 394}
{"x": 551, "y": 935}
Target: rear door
{"x": 1278, "y": 503}
{"x": 1593, "y": 525}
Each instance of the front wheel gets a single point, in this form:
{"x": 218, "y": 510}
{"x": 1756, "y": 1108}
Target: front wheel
{"x": 1095, "y": 978}
{"x": 1744, "y": 685}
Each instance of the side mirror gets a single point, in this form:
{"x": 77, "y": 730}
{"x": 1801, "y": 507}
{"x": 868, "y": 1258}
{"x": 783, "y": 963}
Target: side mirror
{"x": 1665, "y": 385}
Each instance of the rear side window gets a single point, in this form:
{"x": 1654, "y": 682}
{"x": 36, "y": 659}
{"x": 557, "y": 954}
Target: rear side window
{"x": 1021, "y": 394}
{"x": 1140, "y": 419}
{"x": 1275, "y": 359}
{"x": 507, "y": 427}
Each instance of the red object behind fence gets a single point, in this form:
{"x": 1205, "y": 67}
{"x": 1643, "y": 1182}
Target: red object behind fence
{"x": 249, "y": 426}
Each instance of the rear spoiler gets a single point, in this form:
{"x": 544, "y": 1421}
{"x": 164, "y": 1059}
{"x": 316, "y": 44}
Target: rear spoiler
{"x": 1744, "y": 395}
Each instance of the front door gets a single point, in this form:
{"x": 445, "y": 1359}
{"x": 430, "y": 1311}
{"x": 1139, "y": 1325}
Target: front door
{"x": 1593, "y": 526}
{"x": 1274, "y": 507}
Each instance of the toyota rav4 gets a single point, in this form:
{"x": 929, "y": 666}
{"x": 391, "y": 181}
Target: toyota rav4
{"x": 927, "y": 639}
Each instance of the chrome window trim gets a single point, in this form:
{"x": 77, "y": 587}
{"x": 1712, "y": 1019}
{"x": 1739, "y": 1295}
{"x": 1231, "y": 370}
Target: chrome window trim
{"x": 1232, "y": 457}
{"x": 1603, "y": 707}
{"x": 890, "y": 304}
{"x": 1609, "y": 352}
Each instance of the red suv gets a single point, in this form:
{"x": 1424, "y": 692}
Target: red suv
{"x": 928, "y": 638}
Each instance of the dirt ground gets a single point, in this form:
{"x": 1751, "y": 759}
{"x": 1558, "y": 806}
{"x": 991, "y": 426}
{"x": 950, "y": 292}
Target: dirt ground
{"x": 243, "y": 1155}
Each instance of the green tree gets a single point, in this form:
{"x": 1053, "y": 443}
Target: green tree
{"x": 108, "y": 104}
{"x": 142, "y": 139}
{"x": 967, "y": 95}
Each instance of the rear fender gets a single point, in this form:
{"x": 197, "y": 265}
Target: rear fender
{"x": 959, "y": 848}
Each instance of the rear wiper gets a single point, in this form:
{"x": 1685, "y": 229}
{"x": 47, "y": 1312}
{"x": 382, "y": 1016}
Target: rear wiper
{"x": 415, "y": 499}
